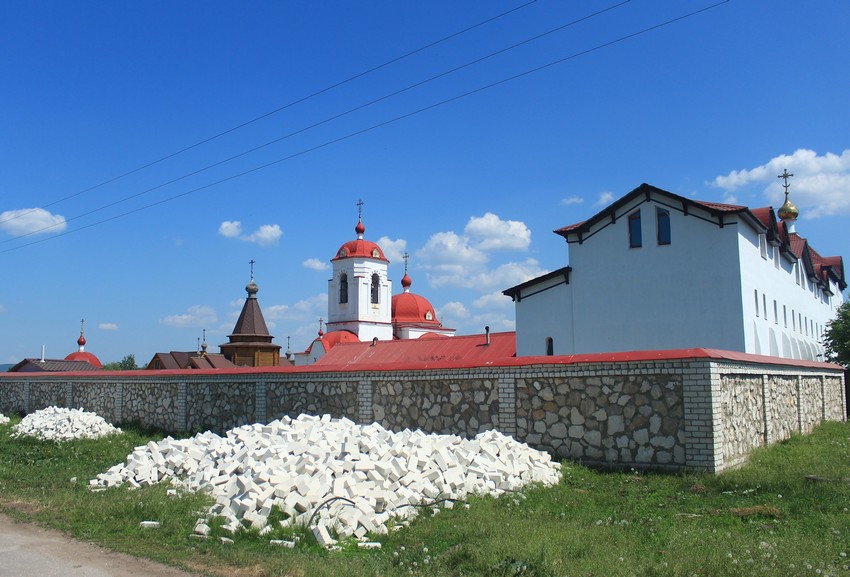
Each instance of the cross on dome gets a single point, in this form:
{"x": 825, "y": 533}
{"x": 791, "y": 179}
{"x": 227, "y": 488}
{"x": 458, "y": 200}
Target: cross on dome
{"x": 82, "y": 340}
{"x": 787, "y": 212}
{"x": 360, "y": 229}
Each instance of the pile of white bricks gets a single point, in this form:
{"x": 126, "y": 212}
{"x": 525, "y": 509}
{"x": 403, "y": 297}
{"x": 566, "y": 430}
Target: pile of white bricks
{"x": 298, "y": 465}
{"x": 60, "y": 424}
{"x": 4, "y": 419}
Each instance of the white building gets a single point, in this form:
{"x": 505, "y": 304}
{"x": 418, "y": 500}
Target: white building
{"x": 655, "y": 270}
{"x": 361, "y": 306}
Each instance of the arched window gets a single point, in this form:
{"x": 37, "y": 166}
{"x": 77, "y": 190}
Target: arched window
{"x": 343, "y": 288}
{"x": 550, "y": 346}
{"x": 376, "y": 286}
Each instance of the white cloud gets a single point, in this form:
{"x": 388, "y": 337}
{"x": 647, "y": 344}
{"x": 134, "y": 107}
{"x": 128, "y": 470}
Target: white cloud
{"x": 455, "y": 310}
{"x": 820, "y": 186}
{"x": 492, "y": 233}
{"x": 450, "y": 248}
{"x": 315, "y": 264}
{"x": 108, "y": 326}
{"x": 493, "y": 300}
{"x": 605, "y": 198}
{"x": 230, "y": 228}
{"x": 266, "y": 235}
{"x": 275, "y": 312}
{"x": 198, "y": 316}
{"x": 25, "y": 221}
{"x": 572, "y": 200}
{"x": 393, "y": 249}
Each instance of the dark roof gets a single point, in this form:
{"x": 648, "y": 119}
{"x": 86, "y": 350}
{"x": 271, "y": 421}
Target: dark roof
{"x": 716, "y": 209}
{"x": 514, "y": 291}
{"x": 188, "y": 360}
{"x": 51, "y": 366}
{"x": 251, "y": 321}
{"x": 209, "y": 361}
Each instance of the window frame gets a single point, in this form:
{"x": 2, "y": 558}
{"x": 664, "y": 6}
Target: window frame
{"x": 635, "y": 230}
{"x": 662, "y": 226}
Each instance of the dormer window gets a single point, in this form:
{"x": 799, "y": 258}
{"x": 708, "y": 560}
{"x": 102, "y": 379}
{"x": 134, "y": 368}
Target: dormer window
{"x": 635, "y": 238}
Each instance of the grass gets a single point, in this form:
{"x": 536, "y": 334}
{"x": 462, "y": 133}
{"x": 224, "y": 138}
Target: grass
{"x": 763, "y": 519}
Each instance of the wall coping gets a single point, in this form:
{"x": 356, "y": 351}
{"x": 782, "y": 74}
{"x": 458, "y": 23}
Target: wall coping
{"x": 694, "y": 354}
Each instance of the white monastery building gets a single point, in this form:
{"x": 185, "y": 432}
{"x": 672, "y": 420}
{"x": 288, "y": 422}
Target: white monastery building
{"x": 658, "y": 271}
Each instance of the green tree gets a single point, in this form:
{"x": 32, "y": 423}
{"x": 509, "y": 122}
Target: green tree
{"x": 128, "y": 363}
{"x": 837, "y": 337}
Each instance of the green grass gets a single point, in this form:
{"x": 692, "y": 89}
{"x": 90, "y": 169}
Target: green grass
{"x": 763, "y": 519}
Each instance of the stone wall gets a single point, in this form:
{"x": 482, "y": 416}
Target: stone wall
{"x": 689, "y": 413}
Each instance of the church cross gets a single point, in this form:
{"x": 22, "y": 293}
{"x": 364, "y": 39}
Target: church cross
{"x": 360, "y": 209}
{"x": 405, "y": 257}
{"x": 252, "y": 262}
{"x": 785, "y": 175}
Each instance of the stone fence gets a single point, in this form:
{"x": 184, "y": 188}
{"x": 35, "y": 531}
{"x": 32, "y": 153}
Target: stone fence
{"x": 696, "y": 409}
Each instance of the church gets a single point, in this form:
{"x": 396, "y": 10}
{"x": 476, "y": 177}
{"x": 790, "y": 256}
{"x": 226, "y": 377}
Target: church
{"x": 658, "y": 271}
{"x": 361, "y": 306}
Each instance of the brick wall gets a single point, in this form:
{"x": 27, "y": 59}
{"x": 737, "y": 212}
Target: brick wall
{"x": 668, "y": 414}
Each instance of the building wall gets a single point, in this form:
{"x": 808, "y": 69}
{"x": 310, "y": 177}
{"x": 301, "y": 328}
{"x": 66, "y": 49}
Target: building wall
{"x": 685, "y": 294}
{"x": 545, "y": 311}
{"x": 696, "y": 413}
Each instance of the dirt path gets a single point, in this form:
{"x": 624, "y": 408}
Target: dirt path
{"x": 27, "y": 550}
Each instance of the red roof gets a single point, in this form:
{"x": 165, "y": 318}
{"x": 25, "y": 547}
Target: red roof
{"x": 85, "y": 357}
{"x": 333, "y": 338}
{"x": 410, "y": 308}
{"x": 433, "y": 352}
{"x": 360, "y": 248}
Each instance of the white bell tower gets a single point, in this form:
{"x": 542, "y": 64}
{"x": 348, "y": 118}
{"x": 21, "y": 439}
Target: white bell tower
{"x": 360, "y": 292}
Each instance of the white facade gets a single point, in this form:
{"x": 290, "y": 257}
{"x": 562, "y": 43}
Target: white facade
{"x": 360, "y": 298}
{"x": 690, "y": 279}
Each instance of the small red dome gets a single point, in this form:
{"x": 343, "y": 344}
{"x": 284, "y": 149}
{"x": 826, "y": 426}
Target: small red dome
{"x": 360, "y": 249}
{"x": 83, "y": 356}
{"x": 81, "y": 341}
{"x": 412, "y": 308}
{"x": 405, "y": 281}
{"x": 360, "y": 228}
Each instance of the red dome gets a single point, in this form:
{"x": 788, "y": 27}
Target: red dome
{"x": 83, "y": 356}
{"x": 412, "y": 308}
{"x": 360, "y": 249}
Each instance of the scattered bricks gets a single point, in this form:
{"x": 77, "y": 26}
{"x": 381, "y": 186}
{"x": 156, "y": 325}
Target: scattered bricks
{"x": 202, "y": 529}
{"x": 282, "y": 543}
{"x": 149, "y": 524}
{"x": 323, "y": 538}
{"x": 369, "y": 545}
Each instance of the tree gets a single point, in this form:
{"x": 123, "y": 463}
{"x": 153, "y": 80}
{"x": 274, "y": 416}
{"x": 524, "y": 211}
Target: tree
{"x": 837, "y": 337}
{"x": 128, "y": 363}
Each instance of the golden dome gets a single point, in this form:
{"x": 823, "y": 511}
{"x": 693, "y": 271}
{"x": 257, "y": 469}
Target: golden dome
{"x": 788, "y": 211}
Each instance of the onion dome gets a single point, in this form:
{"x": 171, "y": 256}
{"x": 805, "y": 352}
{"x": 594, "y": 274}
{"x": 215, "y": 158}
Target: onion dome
{"x": 788, "y": 211}
{"x": 409, "y": 308}
{"x": 81, "y": 354}
{"x": 252, "y": 289}
{"x": 360, "y": 248}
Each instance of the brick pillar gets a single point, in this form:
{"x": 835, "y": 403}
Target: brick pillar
{"x": 766, "y": 406}
{"x": 799, "y": 403}
{"x": 703, "y": 422}
{"x": 69, "y": 395}
{"x": 507, "y": 405}
{"x": 365, "y": 415}
{"x": 119, "y": 402}
{"x": 182, "y": 416}
{"x": 260, "y": 402}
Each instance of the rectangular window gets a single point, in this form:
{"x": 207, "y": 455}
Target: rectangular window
{"x": 635, "y": 239}
{"x": 775, "y": 313}
{"x": 662, "y": 222}
{"x": 763, "y": 246}
{"x": 793, "y": 320}
{"x": 776, "y": 256}
{"x": 764, "y": 305}
{"x": 756, "y": 294}
{"x": 785, "y": 315}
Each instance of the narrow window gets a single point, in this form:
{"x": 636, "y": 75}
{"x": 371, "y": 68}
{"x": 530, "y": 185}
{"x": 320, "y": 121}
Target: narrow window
{"x": 793, "y": 320}
{"x": 764, "y": 305}
{"x": 550, "y": 346}
{"x": 763, "y": 246}
{"x": 662, "y": 221}
{"x": 775, "y": 313}
{"x": 376, "y": 287}
{"x": 785, "y": 315}
{"x": 635, "y": 240}
{"x": 776, "y": 257}
{"x": 756, "y": 293}
{"x": 343, "y": 289}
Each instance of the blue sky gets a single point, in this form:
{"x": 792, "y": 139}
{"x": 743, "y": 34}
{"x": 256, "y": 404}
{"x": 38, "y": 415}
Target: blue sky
{"x": 469, "y": 172}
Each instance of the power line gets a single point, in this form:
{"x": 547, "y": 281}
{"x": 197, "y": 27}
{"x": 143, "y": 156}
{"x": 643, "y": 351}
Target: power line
{"x": 385, "y": 123}
{"x": 279, "y": 109}
{"x": 326, "y": 120}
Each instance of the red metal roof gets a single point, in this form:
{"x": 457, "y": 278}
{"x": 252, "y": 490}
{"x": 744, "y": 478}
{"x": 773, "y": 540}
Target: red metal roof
{"x": 434, "y": 352}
